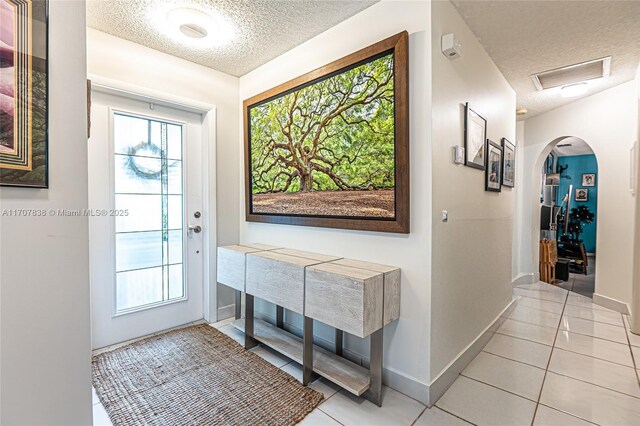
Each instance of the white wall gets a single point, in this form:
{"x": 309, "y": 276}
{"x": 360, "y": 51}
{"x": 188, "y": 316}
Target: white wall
{"x": 44, "y": 266}
{"x": 607, "y": 121}
{"x": 472, "y": 252}
{"x": 123, "y": 61}
{"x": 406, "y": 346}
{"x": 635, "y": 293}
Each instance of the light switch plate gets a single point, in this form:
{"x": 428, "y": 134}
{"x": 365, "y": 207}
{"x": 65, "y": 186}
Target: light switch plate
{"x": 445, "y": 216}
{"x": 458, "y": 154}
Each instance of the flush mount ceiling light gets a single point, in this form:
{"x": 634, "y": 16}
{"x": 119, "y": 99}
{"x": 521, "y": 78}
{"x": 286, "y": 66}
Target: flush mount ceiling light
{"x": 521, "y": 111}
{"x": 574, "y": 90}
{"x": 195, "y": 27}
{"x": 572, "y": 74}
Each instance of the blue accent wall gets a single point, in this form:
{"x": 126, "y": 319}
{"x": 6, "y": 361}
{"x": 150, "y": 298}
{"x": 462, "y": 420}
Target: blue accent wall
{"x": 579, "y": 164}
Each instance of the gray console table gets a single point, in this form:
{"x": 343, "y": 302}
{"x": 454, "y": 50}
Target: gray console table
{"x": 354, "y": 297}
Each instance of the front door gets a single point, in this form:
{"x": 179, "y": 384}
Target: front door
{"x": 145, "y": 226}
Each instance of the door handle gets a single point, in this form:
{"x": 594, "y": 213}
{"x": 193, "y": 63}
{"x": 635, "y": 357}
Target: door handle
{"x": 197, "y": 229}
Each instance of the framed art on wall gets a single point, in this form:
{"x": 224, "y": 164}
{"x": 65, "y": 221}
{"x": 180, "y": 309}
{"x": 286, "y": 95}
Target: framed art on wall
{"x": 23, "y": 93}
{"x": 475, "y": 136}
{"x": 508, "y": 163}
{"x": 588, "y": 179}
{"x": 331, "y": 148}
{"x": 493, "y": 170}
{"x": 582, "y": 194}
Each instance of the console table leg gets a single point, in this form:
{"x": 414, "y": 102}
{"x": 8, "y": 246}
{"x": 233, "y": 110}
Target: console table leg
{"x": 279, "y": 316}
{"x": 339, "y": 335}
{"x": 238, "y": 304}
{"x": 374, "y": 394}
{"x": 307, "y": 351}
{"x": 249, "y": 341}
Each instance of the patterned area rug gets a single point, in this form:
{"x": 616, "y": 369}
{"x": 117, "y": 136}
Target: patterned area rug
{"x": 197, "y": 376}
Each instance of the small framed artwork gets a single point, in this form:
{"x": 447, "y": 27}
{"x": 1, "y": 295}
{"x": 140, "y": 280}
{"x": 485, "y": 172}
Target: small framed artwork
{"x": 552, "y": 179}
{"x": 582, "y": 194}
{"x": 475, "y": 135}
{"x": 589, "y": 179}
{"x": 23, "y": 93}
{"x": 508, "y": 163}
{"x": 493, "y": 170}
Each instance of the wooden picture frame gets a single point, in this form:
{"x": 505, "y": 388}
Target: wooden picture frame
{"x": 493, "y": 170}
{"x": 475, "y": 136}
{"x": 291, "y": 211}
{"x": 24, "y": 114}
{"x": 508, "y": 163}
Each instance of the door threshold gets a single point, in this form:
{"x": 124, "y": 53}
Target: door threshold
{"x": 127, "y": 342}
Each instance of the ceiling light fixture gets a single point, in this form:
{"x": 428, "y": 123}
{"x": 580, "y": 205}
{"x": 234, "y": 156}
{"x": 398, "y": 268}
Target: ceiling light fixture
{"x": 573, "y": 90}
{"x": 196, "y": 28}
{"x": 521, "y": 111}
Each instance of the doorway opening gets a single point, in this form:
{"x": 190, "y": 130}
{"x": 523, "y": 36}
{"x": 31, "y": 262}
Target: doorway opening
{"x": 150, "y": 222}
{"x": 568, "y": 210}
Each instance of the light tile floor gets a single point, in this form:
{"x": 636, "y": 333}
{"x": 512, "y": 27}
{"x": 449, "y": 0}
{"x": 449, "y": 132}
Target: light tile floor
{"x": 557, "y": 360}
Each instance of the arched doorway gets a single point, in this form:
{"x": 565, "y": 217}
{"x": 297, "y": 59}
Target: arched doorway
{"x": 565, "y": 213}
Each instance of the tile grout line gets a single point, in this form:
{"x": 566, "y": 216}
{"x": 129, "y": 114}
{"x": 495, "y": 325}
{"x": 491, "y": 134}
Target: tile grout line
{"x": 419, "y": 415}
{"x": 544, "y": 378}
{"x": 511, "y": 359}
{"x": 633, "y": 358}
{"x": 495, "y": 387}
{"x": 452, "y": 414}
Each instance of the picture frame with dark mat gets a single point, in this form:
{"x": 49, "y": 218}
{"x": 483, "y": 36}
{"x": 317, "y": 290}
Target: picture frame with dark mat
{"x": 493, "y": 171}
{"x": 508, "y": 163}
{"x": 588, "y": 179}
{"x": 24, "y": 86}
{"x": 475, "y": 136}
{"x": 581, "y": 195}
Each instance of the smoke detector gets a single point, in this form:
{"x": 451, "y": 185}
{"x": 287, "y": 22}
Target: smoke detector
{"x": 573, "y": 74}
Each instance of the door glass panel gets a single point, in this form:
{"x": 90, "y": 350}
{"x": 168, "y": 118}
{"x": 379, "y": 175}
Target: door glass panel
{"x": 137, "y": 250}
{"x": 138, "y": 175}
{"x": 138, "y": 288}
{"x": 149, "y": 257}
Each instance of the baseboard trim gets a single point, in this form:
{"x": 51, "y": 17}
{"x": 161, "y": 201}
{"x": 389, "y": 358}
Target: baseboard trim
{"x": 445, "y": 379}
{"x": 612, "y": 304}
{"x": 225, "y": 312}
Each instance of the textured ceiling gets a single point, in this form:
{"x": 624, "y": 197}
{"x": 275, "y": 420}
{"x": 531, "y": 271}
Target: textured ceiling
{"x": 578, "y": 147}
{"x": 526, "y": 37}
{"x": 264, "y": 29}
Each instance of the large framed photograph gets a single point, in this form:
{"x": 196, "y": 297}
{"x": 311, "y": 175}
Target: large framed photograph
{"x": 589, "y": 179}
{"x": 475, "y": 136}
{"x": 493, "y": 172}
{"x": 509, "y": 163}
{"x": 331, "y": 148}
{"x": 582, "y": 195}
{"x": 23, "y": 93}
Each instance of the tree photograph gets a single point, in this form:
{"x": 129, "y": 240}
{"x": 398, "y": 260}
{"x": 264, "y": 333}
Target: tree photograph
{"x": 327, "y": 148}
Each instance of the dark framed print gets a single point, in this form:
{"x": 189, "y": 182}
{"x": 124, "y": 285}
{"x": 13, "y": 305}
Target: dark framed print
{"x": 582, "y": 194}
{"x": 475, "y": 135}
{"x": 331, "y": 147}
{"x": 508, "y": 163}
{"x": 23, "y": 93}
{"x": 589, "y": 179}
{"x": 493, "y": 172}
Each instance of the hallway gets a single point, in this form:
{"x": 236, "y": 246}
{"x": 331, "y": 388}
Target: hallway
{"x": 558, "y": 359}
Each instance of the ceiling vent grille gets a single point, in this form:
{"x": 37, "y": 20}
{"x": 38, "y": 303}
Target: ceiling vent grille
{"x": 573, "y": 74}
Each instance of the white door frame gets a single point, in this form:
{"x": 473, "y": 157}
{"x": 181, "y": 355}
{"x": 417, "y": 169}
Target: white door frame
{"x": 208, "y": 111}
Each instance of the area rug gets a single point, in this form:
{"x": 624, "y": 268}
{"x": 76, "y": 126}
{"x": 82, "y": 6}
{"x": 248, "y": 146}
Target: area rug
{"x": 197, "y": 376}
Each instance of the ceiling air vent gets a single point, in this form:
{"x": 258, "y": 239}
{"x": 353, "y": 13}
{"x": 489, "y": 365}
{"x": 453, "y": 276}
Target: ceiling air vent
{"x": 572, "y": 74}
